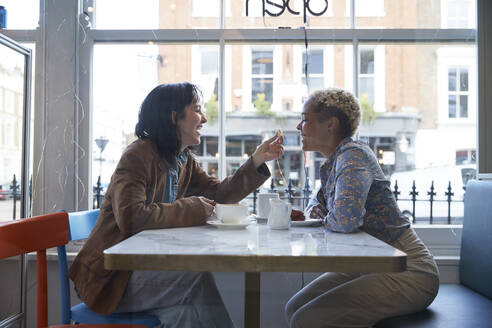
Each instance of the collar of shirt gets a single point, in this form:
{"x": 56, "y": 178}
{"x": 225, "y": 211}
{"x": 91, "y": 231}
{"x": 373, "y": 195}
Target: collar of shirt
{"x": 171, "y": 188}
{"x": 180, "y": 159}
{"x": 328, "y": 163}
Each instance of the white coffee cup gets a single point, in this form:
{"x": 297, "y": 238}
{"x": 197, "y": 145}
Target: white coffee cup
{"x": 264, "y": 203}
{"x": 231, "y": 213}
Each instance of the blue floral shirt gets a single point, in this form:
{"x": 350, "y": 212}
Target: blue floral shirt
{"x": 357, "y": 195}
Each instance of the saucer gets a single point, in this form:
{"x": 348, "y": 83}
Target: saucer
{"x": 232, "y": 226}
{"x": 259, "y": 219}
{"x": 307, "y": 223}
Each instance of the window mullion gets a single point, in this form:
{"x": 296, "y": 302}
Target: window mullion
{"x": 21, "y": 36}
{"x": 280, "y": 36}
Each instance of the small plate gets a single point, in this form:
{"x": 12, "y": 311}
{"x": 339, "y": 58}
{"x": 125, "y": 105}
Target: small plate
{"x": 232, "y": 226}
{"x": 307, "y": 223}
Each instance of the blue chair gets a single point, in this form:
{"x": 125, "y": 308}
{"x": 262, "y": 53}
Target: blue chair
{"x": 81, "y": 224}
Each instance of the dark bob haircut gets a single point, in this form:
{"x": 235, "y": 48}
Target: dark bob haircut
{"x": 155, "y": 116}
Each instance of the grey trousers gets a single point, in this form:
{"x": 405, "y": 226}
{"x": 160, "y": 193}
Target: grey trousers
{"x": 361, "y": 300}
{"x": 178, "y": 299}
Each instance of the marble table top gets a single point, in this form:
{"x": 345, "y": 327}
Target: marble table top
{"x": 254, "y": 249}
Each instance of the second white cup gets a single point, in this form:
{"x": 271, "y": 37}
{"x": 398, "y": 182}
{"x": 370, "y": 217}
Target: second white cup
{"x": 264, "y": 203}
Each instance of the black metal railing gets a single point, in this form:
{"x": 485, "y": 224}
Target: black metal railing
{"x": 299, "y": 197}
{"x": 12, "y": 192}
{"x": 449, "y": 200}
{"x": 98, "y": 194}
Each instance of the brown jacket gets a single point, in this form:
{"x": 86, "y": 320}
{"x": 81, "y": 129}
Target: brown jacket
{"x": 133, "y": 203}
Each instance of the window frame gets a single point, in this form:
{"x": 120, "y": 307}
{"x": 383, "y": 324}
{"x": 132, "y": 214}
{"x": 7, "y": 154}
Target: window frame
{"x": 82, "y": 66}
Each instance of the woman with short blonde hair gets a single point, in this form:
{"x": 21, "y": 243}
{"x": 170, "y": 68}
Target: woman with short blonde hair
{"x": 355, "y": 195}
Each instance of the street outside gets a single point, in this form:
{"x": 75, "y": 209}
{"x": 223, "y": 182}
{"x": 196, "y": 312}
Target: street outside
{"x": 6, "y": 210}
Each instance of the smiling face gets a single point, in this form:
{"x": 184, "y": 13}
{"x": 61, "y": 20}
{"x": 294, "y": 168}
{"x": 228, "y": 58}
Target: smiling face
{"x": 189, "y": 126}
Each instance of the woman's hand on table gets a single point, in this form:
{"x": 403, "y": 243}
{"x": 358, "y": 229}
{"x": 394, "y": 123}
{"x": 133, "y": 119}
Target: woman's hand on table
{"x": 318, "y": 212}
{"x": 270, "y": 149}
{"x": 208, "y": 205}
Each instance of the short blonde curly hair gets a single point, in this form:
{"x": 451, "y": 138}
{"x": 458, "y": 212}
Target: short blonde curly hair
{"x": 339, "y": 103}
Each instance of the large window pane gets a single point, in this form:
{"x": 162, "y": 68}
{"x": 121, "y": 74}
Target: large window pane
{"x": 416, "y": 136}
{"x": 12, "y": 97}
{"x": 124, "y": 74}
{"x": 414, "y": 13}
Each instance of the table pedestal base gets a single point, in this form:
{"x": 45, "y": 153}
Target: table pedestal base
{"x": 252, "y": 299}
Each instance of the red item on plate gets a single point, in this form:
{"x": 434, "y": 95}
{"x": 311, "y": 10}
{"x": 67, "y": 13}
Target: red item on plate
{"x": 297, "y": 215}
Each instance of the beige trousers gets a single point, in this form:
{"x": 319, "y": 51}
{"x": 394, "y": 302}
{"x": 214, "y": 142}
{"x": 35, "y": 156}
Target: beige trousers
{"x": 361, "y": 300}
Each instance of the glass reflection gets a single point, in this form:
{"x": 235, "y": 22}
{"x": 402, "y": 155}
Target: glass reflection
{"x": 12, "y": 72}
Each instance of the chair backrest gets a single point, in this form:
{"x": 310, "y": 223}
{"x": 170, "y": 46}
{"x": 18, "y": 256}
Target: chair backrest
{"x": 35, "y": 234}
{"x": 476, "y": 242}
{"x": 81, "y": 224}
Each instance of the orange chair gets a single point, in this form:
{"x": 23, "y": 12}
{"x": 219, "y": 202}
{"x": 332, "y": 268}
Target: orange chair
{"x": 36, "y": 234}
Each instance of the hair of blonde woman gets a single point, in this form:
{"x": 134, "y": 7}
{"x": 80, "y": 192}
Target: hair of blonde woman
{"x": 339, "y": 103}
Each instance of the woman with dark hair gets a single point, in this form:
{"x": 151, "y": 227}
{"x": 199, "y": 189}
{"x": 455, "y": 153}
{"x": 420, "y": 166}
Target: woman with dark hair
{"x": 158, "y": 184}
{"x": 355, "y": 195}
